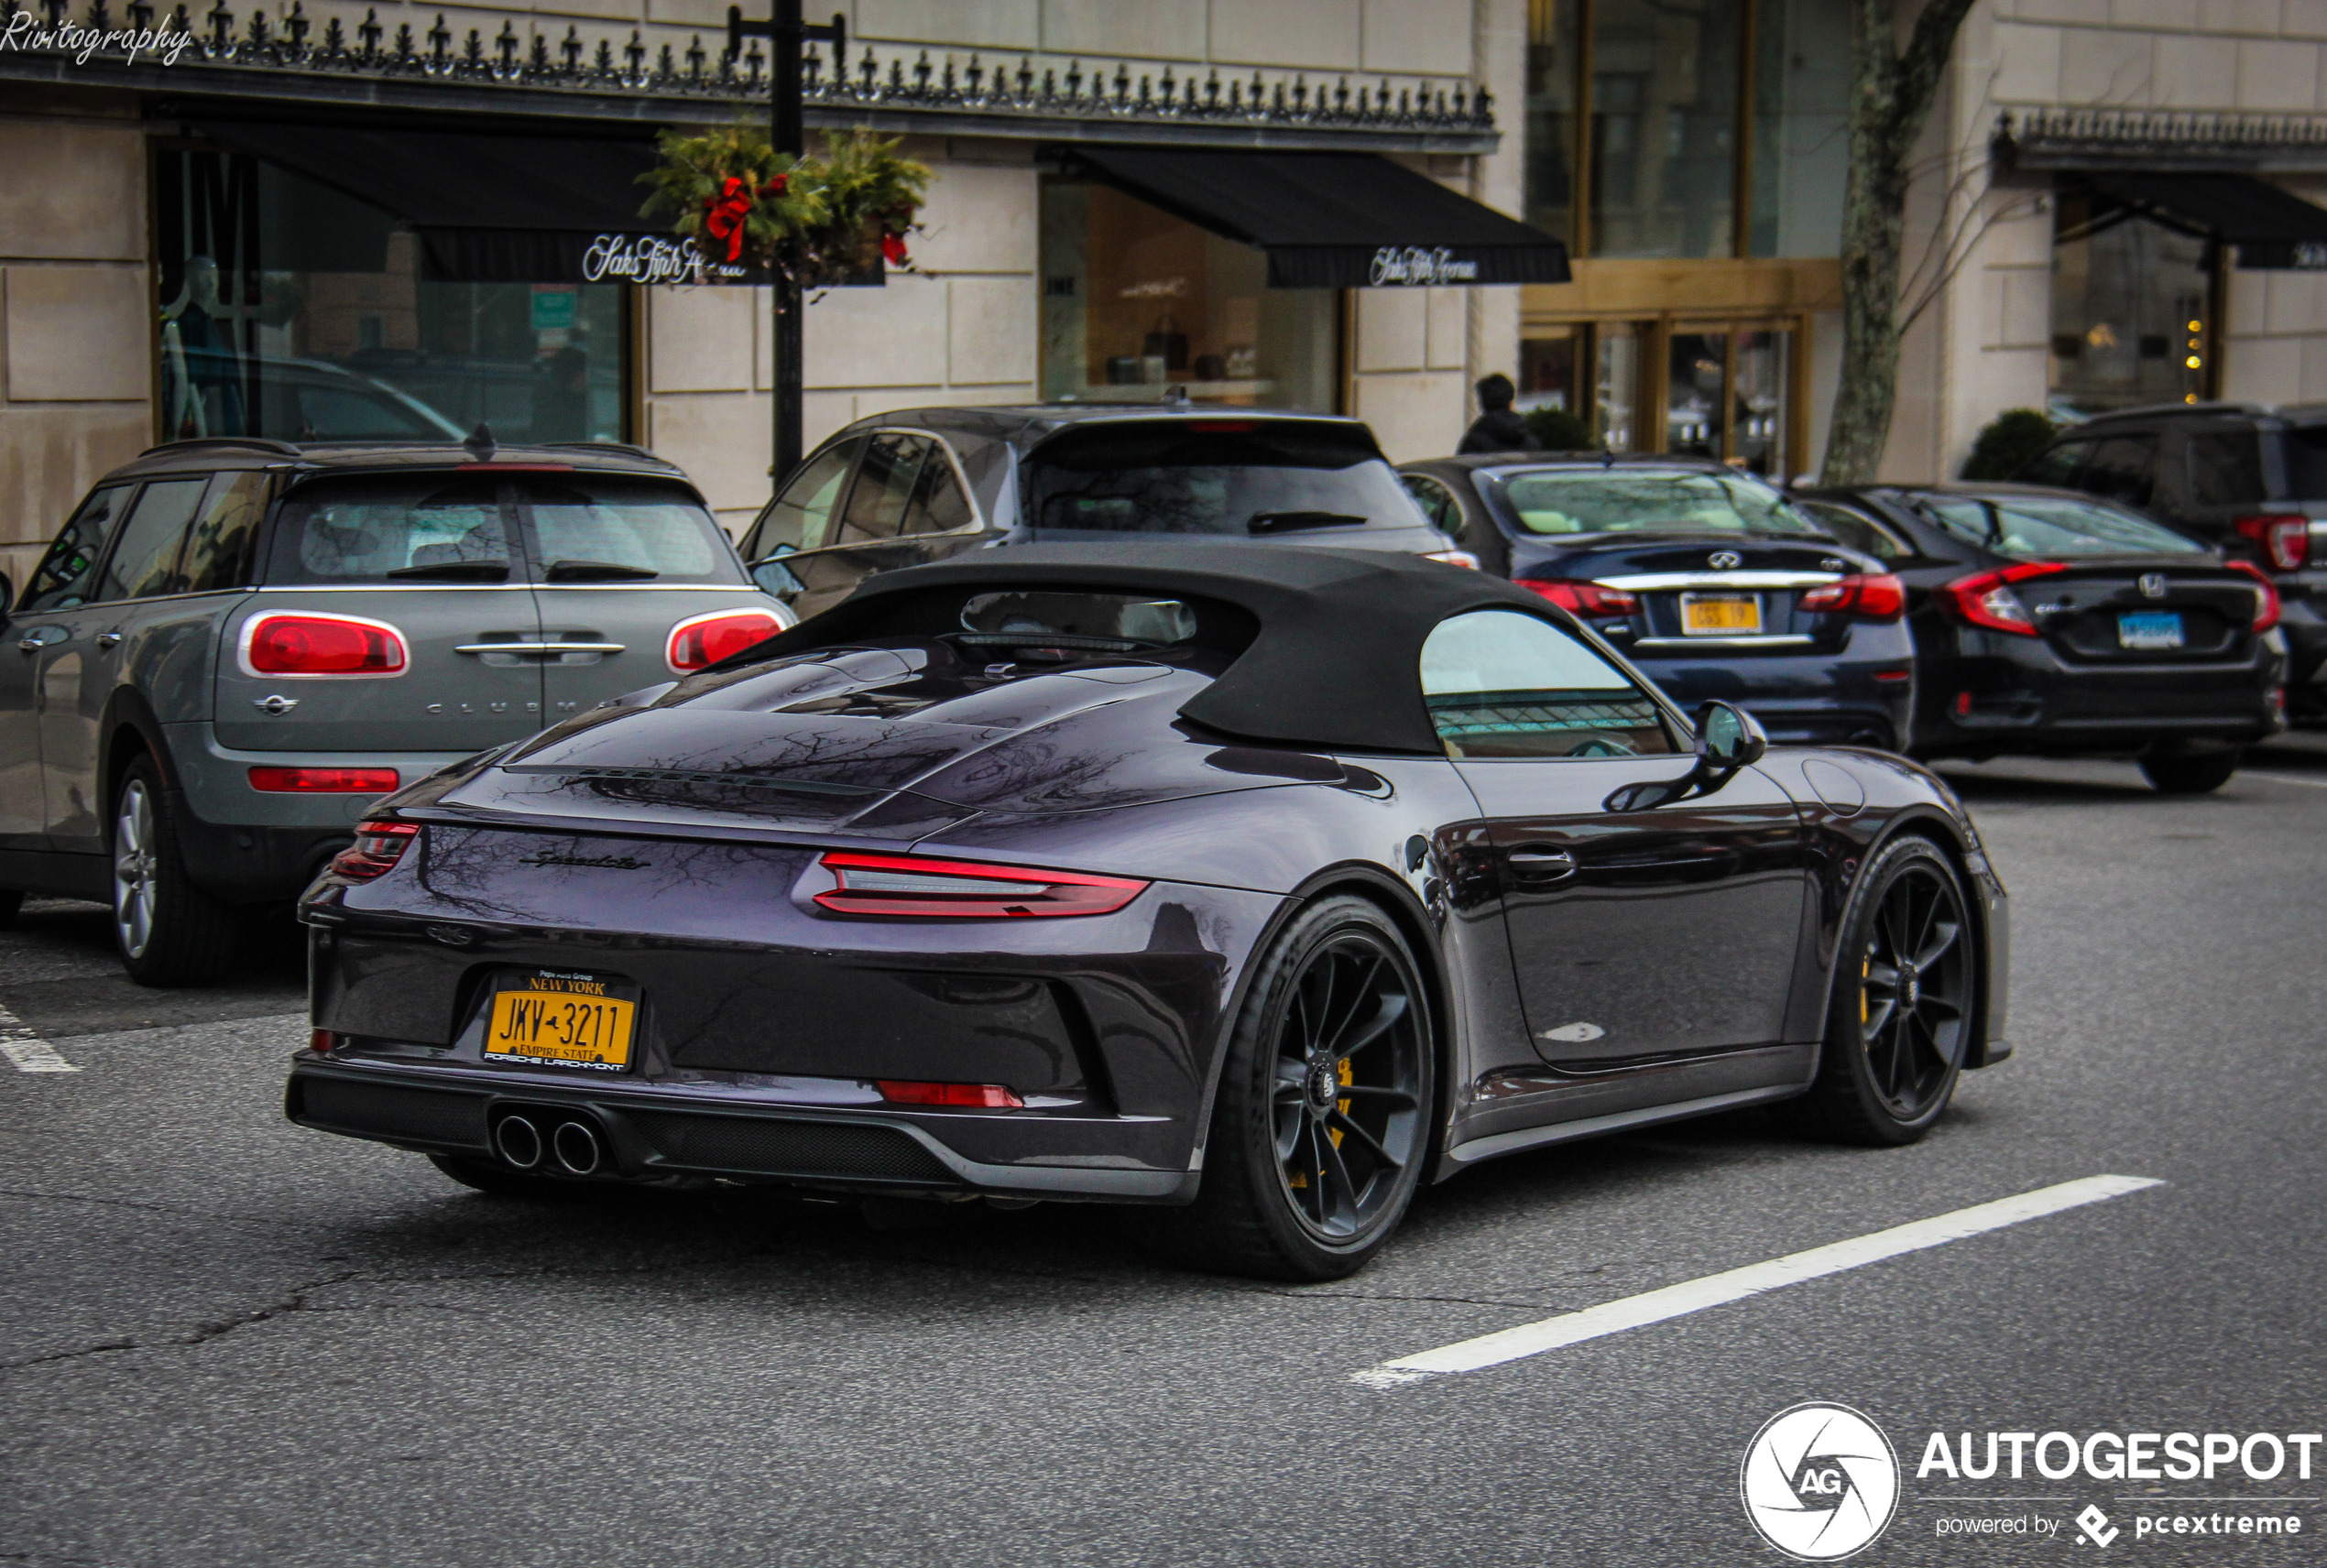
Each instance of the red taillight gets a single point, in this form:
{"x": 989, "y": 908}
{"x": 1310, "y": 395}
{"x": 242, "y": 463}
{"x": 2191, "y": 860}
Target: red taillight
{"x": 1876, "y": 596}
{"x": 910, "y": 887}
{"x": 324, "y": 780}
{"x": 2281, "y": 539}
{"x": 1986, "y": 599}
{"x": 377, "y": 847}
{"x": 297, "y": 644}
{"x": 957, "y": 1097}
{"x": 321, "y": 1041}
{"x": 1461, "y": 558}
{"x": 707, "y": 639}
{"x": 2265, "y": 594}
{"x": 1579, "y": 597}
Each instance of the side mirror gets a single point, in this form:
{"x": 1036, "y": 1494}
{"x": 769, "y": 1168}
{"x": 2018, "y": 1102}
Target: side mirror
{"x": 776, "y": 578}
{"x": 1728, "y": 738}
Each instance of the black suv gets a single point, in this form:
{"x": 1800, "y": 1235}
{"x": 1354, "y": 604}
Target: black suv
{"x": 2250, "y": 479}
{"x": 235, "y": 647}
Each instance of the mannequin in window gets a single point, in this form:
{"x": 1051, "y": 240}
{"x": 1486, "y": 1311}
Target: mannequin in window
{"x": 198, "y": 349}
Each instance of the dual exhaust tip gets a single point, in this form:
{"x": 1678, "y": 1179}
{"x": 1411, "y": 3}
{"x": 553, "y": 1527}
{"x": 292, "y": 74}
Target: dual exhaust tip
{"x": 572, "y": 1145}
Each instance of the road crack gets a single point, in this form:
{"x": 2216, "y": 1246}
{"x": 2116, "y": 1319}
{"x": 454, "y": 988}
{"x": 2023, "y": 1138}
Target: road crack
{"x": 292, "y": 1300}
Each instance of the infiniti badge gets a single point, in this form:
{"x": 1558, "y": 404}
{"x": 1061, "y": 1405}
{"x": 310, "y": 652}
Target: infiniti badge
{"x": 1724, "y": 560}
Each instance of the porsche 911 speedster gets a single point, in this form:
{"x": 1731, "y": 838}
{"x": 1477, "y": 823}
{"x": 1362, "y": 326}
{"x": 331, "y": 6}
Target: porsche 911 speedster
{"x": 1259, "y": 886}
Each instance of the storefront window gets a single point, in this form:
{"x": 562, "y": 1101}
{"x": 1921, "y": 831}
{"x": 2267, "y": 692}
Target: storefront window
{"x": 2129, "y": 310}
{"x": 1550, "y": 368}
{"x": 1801, "y": 126}
{"x": 1664, "y": 119}
{"x": 291, "y": 311}
{"x": 1616, "y": 387}
{"x": 1696, "y": 365}
{"x": 1137, "y": 303}
{"x": 1552, "y": 64}
{"x": 1758, "y": 405}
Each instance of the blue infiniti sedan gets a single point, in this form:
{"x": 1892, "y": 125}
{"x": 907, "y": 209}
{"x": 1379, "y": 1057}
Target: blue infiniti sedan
{"x": 1708, "y": 577}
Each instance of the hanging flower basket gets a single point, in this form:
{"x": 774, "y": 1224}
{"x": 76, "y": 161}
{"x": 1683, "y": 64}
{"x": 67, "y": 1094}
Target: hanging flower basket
{"x": 816, "y": 221}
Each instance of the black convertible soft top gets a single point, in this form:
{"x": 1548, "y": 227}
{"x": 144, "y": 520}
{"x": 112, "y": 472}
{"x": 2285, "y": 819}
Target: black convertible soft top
{"x": 1337, "y": 660}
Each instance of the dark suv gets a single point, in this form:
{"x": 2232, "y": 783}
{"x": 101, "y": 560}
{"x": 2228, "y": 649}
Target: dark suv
{"x": 235, "y": 647}
{"x": 2250, "y": 479}
{"x": 921, "y": 485}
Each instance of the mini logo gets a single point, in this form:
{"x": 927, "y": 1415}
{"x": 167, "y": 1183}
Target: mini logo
{"x": 275, "y": 703}
{"x": 2094, "y": 1526}
{"x": 2153, "y": 584}
{"x": 600, "y": 862}
{"x": 1819, "y": 1482}
{"x": 1724, "y": 560}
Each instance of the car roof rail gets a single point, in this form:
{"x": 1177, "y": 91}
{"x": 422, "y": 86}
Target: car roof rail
{"x": 602, "y": 446}
{"x": 2157, "y": 411}
{"x": 250, "y": 443}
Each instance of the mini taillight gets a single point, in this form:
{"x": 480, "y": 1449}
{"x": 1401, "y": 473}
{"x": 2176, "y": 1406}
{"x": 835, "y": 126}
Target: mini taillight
{"x": 956, "y": 1096}
{"x": 321, "y": 1041}
{"x": 1875, "y": 596}
{"x": 1461, "y": 558}
{"x": 324, "y": 780}
{"x": 298, "y": 643}
{"x": 2281, "y": 539}
{"x": 2265, "y": 594}
{"x": 377, "y": 847}
{"x": 910, "y": 887}
{"x": 1579, "y": 597}
{"x": 707, "y": 639}
{"x": 1986, "y": 599}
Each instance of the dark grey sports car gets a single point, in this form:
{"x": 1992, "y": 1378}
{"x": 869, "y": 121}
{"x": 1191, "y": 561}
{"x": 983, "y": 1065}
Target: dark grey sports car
{"x": 1259, "y": 886}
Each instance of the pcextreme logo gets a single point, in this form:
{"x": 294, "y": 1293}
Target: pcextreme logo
{"x": 1819, "y": 1482}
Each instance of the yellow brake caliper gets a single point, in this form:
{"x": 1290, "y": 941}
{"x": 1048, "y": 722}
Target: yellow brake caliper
{"x": 1300, "y": 1178}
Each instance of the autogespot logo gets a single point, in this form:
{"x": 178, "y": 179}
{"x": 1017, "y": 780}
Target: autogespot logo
{"x": 1819, "y": 1482}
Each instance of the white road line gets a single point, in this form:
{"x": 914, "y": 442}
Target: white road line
{"x": 26, "y": 1049}
{"x": 1717, "y": 1290}
{"x": 2282, "y": 779}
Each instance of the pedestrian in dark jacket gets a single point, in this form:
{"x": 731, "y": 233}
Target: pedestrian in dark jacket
{"x": 1498, "y": 427}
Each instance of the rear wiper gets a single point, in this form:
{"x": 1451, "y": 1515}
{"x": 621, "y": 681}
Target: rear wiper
{"x": 457, "y": 570}
{"x": 1289, "y": 522}
{"x": 598, "y": 571}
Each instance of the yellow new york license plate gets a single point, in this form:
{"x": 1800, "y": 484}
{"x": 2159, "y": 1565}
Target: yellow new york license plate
{"x": 1720, "y": 615}
{"x": 564, "y": 1020}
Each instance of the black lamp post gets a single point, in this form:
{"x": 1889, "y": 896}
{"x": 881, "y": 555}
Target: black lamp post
{"x": 786, "y": 32}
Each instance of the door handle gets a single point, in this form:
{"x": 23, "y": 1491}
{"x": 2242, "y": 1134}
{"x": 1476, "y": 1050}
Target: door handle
{"x": 1540, "y": 863}
{"x": 108, "y": 640}
{"x": 31, "y": 644}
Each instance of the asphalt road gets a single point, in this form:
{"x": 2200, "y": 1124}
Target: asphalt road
{"x": 226, "y": 1340}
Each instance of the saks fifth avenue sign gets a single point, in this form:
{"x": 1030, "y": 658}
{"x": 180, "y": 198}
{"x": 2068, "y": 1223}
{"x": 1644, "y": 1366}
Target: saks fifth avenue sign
{"x": 653, "y": 258}
{"x": 1413, "y": 265}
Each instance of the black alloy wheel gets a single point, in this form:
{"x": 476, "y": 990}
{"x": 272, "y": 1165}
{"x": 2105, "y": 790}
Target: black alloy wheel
{"x": 1322, "y": 1123}
{"x": 1907, "y": 980}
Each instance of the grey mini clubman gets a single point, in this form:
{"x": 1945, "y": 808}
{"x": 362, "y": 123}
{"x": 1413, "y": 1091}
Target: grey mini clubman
{"x": 233, "y": 647}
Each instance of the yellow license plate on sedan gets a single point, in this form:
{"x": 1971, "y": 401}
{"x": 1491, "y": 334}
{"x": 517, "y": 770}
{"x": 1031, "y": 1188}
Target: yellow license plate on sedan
{"x": 557, "y": 1020}
{"x": 1720, "y": 615}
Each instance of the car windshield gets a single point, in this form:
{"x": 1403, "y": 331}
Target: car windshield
{"x": 2044, "y": 527}
{"x": 1247, "y": 478}
{"x": 1595, "y": 501}
{"x": 440, "y": 528}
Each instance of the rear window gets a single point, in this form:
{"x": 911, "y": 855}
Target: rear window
{"x": 1596, "y": 501}
{"x": 2041, "y": 527}
{"x": 465, "y": 529}
{"x": 1245, "y": 478}
{"x": 2306, "y": 448}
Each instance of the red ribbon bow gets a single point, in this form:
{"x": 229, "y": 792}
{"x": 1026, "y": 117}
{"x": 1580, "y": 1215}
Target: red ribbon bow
{"x": 892, "y": 249}
{"x": 724, "y": 221}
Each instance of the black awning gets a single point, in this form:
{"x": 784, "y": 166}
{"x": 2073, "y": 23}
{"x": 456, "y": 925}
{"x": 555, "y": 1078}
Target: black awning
{"x": 1334, "y": 220}
{"x": 491, "y": 208}
{"x": 2272, "y": 228}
